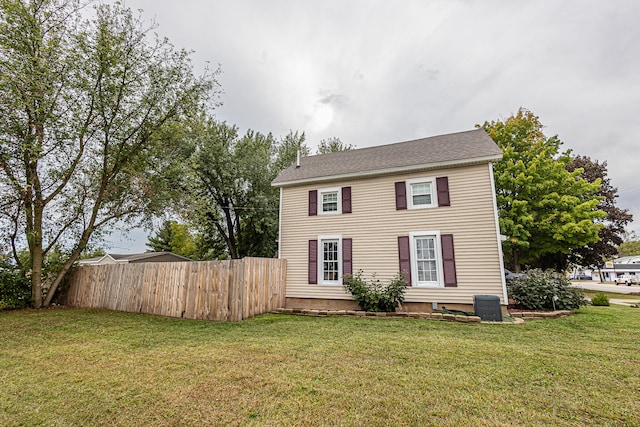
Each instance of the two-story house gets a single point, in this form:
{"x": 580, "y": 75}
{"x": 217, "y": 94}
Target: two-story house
{"x": 426, "y": 207}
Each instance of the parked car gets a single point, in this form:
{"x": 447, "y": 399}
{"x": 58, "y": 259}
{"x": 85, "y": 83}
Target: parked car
{"x": 510, "y": 275}
{"x": 583, "y": 277}
{"x": 627, "y": 279}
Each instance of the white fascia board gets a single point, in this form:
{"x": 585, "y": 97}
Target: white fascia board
{"x": 389, "y": 171}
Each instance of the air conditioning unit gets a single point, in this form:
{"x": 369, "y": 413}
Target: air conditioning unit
{"x": 487, "y": 307}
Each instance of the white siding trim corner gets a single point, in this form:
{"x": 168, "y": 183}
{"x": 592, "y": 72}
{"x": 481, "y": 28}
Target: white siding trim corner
{"x": 280, "y": 226}
{"x": 498, "y": 238}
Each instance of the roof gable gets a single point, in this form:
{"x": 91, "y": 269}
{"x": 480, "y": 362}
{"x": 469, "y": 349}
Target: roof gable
{"x": 127, "y": 258}
{"x": 146, "y": 255}
{"x": 455, "y": 149}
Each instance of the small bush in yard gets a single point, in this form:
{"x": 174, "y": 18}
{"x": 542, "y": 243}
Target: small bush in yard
{"x": 537, "y": 288}
{"x": 373, "y": 295}
{"x": 15, "y": 290}
{"x": 600, "y": 299}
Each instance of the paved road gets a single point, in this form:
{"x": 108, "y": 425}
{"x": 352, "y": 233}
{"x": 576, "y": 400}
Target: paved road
{"x": 604, "y": 287}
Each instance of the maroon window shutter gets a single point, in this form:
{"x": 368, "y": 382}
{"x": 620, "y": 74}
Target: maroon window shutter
{"x": 313, "y": 262}
{"x": 313, "y": 202}
{"x": 404, "y": 255}
{"x": 401, "y": 195}
{"x": 448, "y": 260}
{"x": 347, "y": 265}
{"x": 443, "y": 191}
{"x": 346, "y": 200}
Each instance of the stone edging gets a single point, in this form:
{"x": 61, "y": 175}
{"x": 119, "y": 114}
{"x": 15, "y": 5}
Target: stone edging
{"x": 518, "y": 317}
{"x": 397, "y": 315}
{"x": 541, "y": 315}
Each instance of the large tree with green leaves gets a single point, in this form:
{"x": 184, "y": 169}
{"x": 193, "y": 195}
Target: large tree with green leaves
{"x": 629, "y": 248}
{"x": 613, "y": 230}
{"x": 545, "y": 210}
{"x": 236, "y": 203}
{"x": 175, "y": 237}
{"x": 333, "y": 145}
{"x": 87, "y": 111}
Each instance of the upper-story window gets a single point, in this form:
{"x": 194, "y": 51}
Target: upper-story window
{"x": 421, "y": 193}
{"x": 329, "y": 201}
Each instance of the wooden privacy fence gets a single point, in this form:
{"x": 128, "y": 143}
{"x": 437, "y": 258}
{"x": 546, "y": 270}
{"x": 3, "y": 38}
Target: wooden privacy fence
{"x": 208, "y": 290}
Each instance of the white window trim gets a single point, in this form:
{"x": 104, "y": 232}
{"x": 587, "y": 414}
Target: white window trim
{"x": 414, "y": 259}
{"x": 337, "y": 190}
{"x": 434, "y": 192}
{"x": 320, "y": 269}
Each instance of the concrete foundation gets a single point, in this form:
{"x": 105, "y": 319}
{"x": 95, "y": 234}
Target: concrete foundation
{"x": 407, "y": 307}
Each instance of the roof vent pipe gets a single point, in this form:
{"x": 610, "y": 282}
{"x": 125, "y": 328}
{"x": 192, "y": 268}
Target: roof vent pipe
{"x": 298, "y": 159}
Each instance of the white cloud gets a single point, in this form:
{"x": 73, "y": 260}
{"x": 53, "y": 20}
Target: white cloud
{"x": 373, "y": 72}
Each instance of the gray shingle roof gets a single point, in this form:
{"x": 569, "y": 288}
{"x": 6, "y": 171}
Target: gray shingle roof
{"x": 455, "y": 149}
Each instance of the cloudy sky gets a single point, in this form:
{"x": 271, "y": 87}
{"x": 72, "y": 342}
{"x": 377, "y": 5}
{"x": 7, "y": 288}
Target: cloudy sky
{"x": 377, "y": 72}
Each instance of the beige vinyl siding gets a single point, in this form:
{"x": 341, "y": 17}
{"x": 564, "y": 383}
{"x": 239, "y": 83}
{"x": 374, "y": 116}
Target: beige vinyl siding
{"x": 375, "y": 225}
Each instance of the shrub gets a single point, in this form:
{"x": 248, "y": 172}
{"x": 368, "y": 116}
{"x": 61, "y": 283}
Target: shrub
{"x": 373, "y": 295}
{"x": 600, "y": 299}
{"x": 540, "y": 290}
{"x": 15, "y": 289}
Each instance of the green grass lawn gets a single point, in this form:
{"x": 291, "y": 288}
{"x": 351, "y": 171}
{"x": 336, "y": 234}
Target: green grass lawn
{"x": 64, "y": 367}
{"x": 613, "y": 295}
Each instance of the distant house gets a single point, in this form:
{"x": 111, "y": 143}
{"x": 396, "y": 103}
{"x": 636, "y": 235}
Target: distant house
{"x": 620, "y": 267}
{"x": 134, "y": 258}
{"x": 426, "y": 207}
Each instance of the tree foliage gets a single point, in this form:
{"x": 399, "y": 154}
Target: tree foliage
{"x": 630, "y": 248}
{"x": 15, "y": 289}
{"x": 613, "y": 230}
{"x": 545, "y": 290}
{"x": 374, "y": 295}
{"x": 87, "y": 112}
{"x": 236, "y": 204}
{"x": 288, "y": 148}
{"x": 333, "y": 145}
{"x": 174, "y": 237}
{"x": 544, "y": 209}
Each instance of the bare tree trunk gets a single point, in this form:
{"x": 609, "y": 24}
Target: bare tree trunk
{"x": 37, "y": 256}
{"x": 67, "y": 266}
{"x": 233, "y": 250}
{"x": 516, "y": 261}
{"x": 36, "y": 275}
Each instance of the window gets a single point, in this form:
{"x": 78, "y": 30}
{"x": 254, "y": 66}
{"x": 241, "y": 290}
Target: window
{"x": 330, "y": 201}
{"x": 421, "y": 193}
{"x": 334, "y": 256}
{"x": 426, "y": 260}
{"x": 330, "y": 260}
